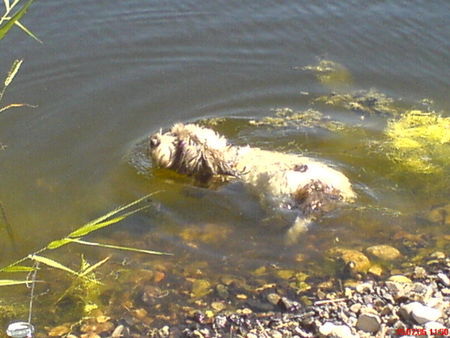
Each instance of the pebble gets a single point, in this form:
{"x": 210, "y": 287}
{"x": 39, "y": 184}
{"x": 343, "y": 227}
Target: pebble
{"x": 336, "y": 331}
{"x": 434, "y": 326}
{"x": 423, "y": 314}
{"x": 438, "y": 255}
{"x": 400, "y": 279}
{"x": 360, "y": 262}
{"x": 355, "y": 308}
{"x": 217, "y": 306}
{"x": 368, "y": 321}
{"x": 443, "y": 278}
{"x": 420, "y": 272}
{"x": 118, "y": 331}
{"x": 383, "y": 252}
{"x": 273, "y": 298}
{"x": 420, "y": 313}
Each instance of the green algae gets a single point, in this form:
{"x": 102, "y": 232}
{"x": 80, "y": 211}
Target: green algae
{"x": 420, "y": 141}
{"x": 330, "y": 74}
{"x": 310, "y": 118}
{"x": 363, "y": 102}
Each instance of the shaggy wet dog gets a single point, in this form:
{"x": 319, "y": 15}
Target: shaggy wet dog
{"x": 288, "y": 181}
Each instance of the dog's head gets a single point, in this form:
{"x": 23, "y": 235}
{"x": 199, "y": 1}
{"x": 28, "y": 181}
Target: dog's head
{"x": 192, "y": 150}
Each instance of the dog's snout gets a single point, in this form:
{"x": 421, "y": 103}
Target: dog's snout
{"x": 154, "y": 142}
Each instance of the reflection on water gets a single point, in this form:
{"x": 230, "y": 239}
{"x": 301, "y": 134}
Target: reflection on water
{"x": 104, "y": 81}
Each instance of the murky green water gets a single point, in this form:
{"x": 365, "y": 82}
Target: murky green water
{"x": 109, "y": 74}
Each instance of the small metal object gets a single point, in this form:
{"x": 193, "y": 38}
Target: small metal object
{"x": 20, "y": 330}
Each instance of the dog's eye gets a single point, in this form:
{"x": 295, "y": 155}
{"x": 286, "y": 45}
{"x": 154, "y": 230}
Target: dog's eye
{"x": 154, "y": 142}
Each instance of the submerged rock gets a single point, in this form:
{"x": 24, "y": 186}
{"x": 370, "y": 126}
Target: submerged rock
{"x": 200, "y": 288}
{"x": 440, "y": 215}
{"x": 360, "y": 261}
{"x": 383, "y": 252}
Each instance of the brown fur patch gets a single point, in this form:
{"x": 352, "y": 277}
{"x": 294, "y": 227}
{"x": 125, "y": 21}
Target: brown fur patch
{"x": 316, "y": 197}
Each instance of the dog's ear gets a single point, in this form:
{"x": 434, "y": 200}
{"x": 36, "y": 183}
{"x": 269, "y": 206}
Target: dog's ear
{"x": 212, "y": 163}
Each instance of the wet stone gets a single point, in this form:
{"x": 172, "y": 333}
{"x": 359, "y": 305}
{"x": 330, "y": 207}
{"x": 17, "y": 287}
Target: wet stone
{"x": 259, "y": 306}
{"x": 440, "y": 215}
{"x": 375, "y": 270}
{"x": 400, "y": 279}
{"x": 222, "y": 291}
{"x": 383, "y": 252}
{"x": 368, "y": 321}
{"x": 288, "y": 305}
{"x": 438, "y": 255}
{"x": 358, "y": 261}
{"x": 273, "y": 298}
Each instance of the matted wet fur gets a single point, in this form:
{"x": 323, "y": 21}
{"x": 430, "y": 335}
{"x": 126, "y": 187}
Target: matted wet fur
{"x": 287, "y": 180}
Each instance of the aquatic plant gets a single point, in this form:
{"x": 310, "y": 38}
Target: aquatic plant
{"x": 329, "y": 73}
{"x": 420, "y": 141}
{"x": 365, "y": 102}
{"x": 7, "y": 21}
{"x": 310, "y": 118}
{"x": 75, "y": 237}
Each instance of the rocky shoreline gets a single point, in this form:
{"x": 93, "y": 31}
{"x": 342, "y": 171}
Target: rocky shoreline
{"x": 414, "y": 303}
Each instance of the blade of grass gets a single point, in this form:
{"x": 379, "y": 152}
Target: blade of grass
{"x": 9, "y": 282}
{"x": 88, "y": 228}
{"x": 7, "y": 26}
{"x": 58, "y": 243}
{"x": 18, "y": 268}
{"x": 17, "y": 105}
{"x": 8, "y": 226}
{"x": 30, "y": 33}
{"x": 11, "y": 74}
{"x": 53, "y": 264}
{"x": 108, "y": 246}
{"x": 117, "y": 210}
{"x": 13, "y": 71}
{"x": 6, "y": 2}
{"x": 93, "y": 267}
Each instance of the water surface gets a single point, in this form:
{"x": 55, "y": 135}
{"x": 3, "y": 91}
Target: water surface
{"x": 110, "y": 73}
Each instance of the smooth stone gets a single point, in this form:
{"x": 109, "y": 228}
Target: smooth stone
{"x": 332, "y": 330}
{"x": 355, "y": 308}
{"x": 398, "y": 290}
{"x": 443, "y": 278}
{"x": 376, "y": 270}
{"x": 423, "y": 314}
{"x": 359, "y": 261}
{"x": 275, "y": 334}
{"x": 273, "y": 298}
{"x": 400, "y": 279}
{"x": 419, "y": 272}
{"x": 438, "y": 255}
{"x": 362, "y": 287}
{"x": 436, "y": 303}
{"x": 384, "y": 252}
{"x": 440, "y": 215}
{"x": 434, "y": 326}
{"x": 368, "y": 322}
